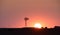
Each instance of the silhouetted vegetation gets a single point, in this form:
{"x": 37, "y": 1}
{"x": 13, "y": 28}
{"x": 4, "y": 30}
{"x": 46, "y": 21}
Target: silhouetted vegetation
{"x": 30, "y": 31}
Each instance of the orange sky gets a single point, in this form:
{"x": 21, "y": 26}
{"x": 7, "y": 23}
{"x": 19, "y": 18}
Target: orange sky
{"x": 44, "y": 11}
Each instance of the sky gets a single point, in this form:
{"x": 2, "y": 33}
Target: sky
{"x": 46, "y": 12}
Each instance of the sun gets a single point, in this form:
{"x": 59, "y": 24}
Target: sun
{"x": 37, "y": 25}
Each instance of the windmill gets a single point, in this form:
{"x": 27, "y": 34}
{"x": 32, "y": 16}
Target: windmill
{"x": 26, "y": 21}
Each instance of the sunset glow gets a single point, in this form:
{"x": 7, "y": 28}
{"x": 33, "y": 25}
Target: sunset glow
{"x": 45, "y": 12}
{"x": 37, "y": 25}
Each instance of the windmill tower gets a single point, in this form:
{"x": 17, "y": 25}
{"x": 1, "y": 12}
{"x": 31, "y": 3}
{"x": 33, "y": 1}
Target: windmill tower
{"x": 26, "y": 21}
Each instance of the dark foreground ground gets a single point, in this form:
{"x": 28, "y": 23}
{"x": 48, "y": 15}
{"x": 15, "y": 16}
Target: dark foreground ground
{"x": 30, "y": 31}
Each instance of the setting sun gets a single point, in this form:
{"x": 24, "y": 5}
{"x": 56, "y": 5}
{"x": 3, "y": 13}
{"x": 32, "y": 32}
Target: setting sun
{"x": 37, "y": 25}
